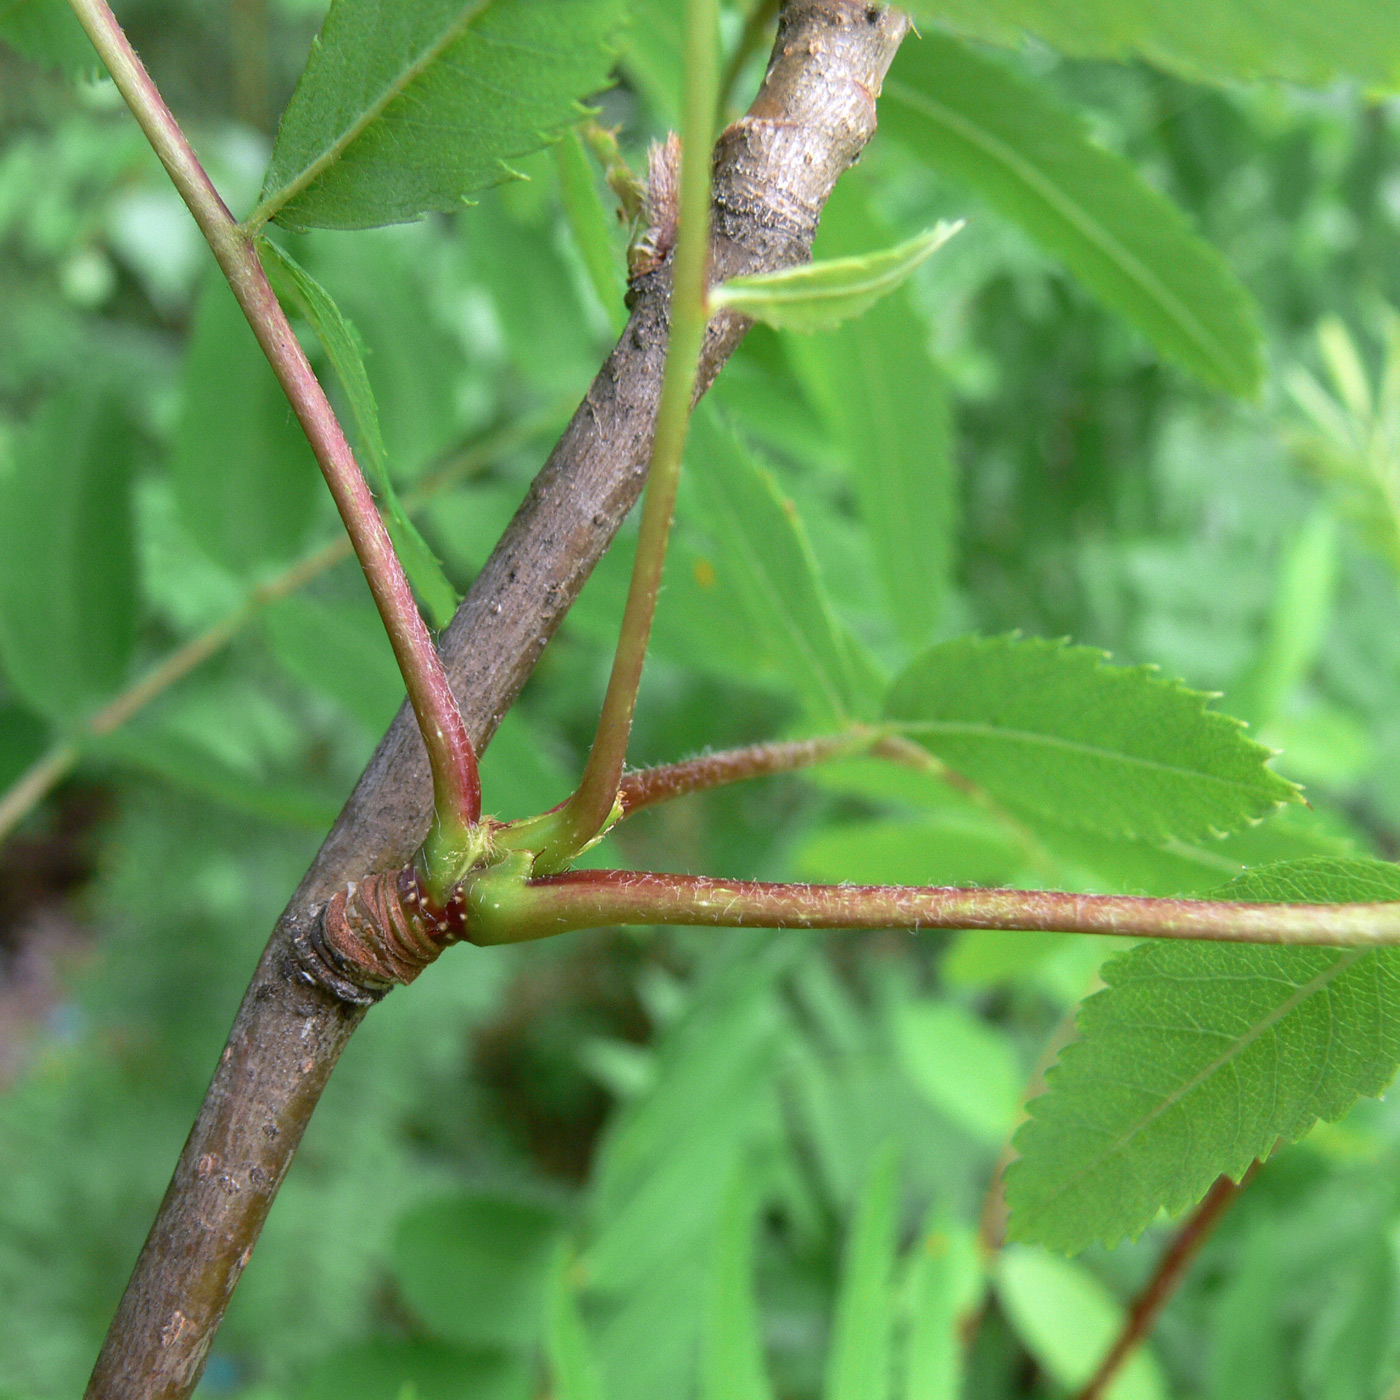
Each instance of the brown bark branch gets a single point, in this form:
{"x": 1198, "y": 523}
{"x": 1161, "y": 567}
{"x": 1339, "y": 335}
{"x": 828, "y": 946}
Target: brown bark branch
{"x": 774, "y": 169}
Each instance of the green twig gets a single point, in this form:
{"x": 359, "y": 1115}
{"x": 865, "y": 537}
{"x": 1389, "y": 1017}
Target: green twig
{"x": 593, "y": 806}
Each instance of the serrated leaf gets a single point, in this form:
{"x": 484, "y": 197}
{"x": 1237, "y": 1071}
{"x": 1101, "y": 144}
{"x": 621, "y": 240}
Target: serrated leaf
{"x": 245, "y": 481}
{"x": 1033, "y": 162}
{"x": 858, "y": 1364}
{"x": 762, "y": 552}
{"x": 293, "y": 283}
{"x": 67, "y": 555}
{"x": 48, "y": 33}
{"x": 1198, "y": 1058}
{"x": 819, "y": 295}
{"x": 1221, "y": 40}
{"x": 883, "y": 401}
{"x": 1068, "y": 1321}
{"x": 1054, "y": 730}
{"x": 405, "y": 108}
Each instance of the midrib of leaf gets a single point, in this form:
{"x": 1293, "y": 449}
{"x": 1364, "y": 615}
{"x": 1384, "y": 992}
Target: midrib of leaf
{"x": 1236, "y": 1048}
{"x": 1053, "y": 741}
{"x": 997, "y": 149}
{"x": 269, "y": 207}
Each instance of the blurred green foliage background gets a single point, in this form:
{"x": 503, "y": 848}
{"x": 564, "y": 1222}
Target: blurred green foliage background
{"x": 558, "y": 1160}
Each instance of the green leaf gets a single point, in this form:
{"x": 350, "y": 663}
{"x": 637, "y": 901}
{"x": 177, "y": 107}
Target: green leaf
{"x": 762, "y": 552}
{"x": 946, "y": 1280}
{"x": 592, "y": 226}
{"x": 858, "y": 1364}
{"x": 731, "y": 1356}
{"x": 573, "y": 1371}
{"x": 48, "y": 32}
{"x": 404, "y": 108}
{"x": 1032, "y": 161}
{"x": 245, "y": 480}
{"x": 819, "y": 295}
{"x": 884, "y": 404}
{"x": 67, "y": 556}
{"x": 1220, "y": 40}
{"x": 294, "y": 284}
{"x": 1198, "y": 1058}
{"x": 380, "y": 1368}
{"x": 1053, "y": 730}
{"x": 340, "y": 650}
{"x": 474, "y": 1266}
{"x": 962, "y": 1066}
{"x": 1068, "y": 1321}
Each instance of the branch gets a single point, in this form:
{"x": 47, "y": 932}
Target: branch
{"x": 773, "y": 172}
{"x": 503, "y": 908}
{"x": 1166, "y": 1279}
{"x": 455, "y": 780}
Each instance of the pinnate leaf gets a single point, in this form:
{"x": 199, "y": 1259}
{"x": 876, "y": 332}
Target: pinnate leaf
{"x": 1055, "y": 731}
{"x": 819, "y": 295}
{"x": 67, "y": 555}
{"x": 1198, "y": 1058}
{"x": 1033, "y": 162}
{"x": 411, "y": 105}
{"x": 1215, "y": 39}
{"x": 294, "y": 284}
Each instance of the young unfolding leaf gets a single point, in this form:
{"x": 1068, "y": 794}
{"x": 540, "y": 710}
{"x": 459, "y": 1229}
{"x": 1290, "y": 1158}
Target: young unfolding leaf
{"x": 1032, "y": 160}
{"x": 763, "y": 552}
{"x": 1216, "y": 39}
{"x": 404, "y": 108}
{"x": 883, "y": 401}
{"x": 293, "y": 283}
{"x": 245, "y": 480}
{"x": 1198, "y": 1058}
{"x": 67, "y": 557}
{"x": 1054, "y": 730}
{"x": 858, "y": 1363}
{"x": 819, "y": 295}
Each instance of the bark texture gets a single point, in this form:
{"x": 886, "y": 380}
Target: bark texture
{"x": 774, "y": 169}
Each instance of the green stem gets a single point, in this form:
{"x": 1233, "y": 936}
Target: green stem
{"x": 504, "y": 908}
{"x": 456, "y": 783}
{"x": 592, "y": 807}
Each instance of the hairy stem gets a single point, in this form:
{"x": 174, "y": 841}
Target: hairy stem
{"x": 648, "y": 786}
{"x": 456, "y": 784}
{"x": 1166, "y": 1279}
{"x": 588, "y": 811}
{"x": 508, "y": 910}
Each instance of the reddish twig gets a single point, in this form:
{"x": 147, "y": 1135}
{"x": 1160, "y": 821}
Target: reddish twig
{"x": 504, "y": 908}
{"x": 1166, "y": 1279}
{"x": 648, "y": 786}
{"x": 456, "y": 784}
